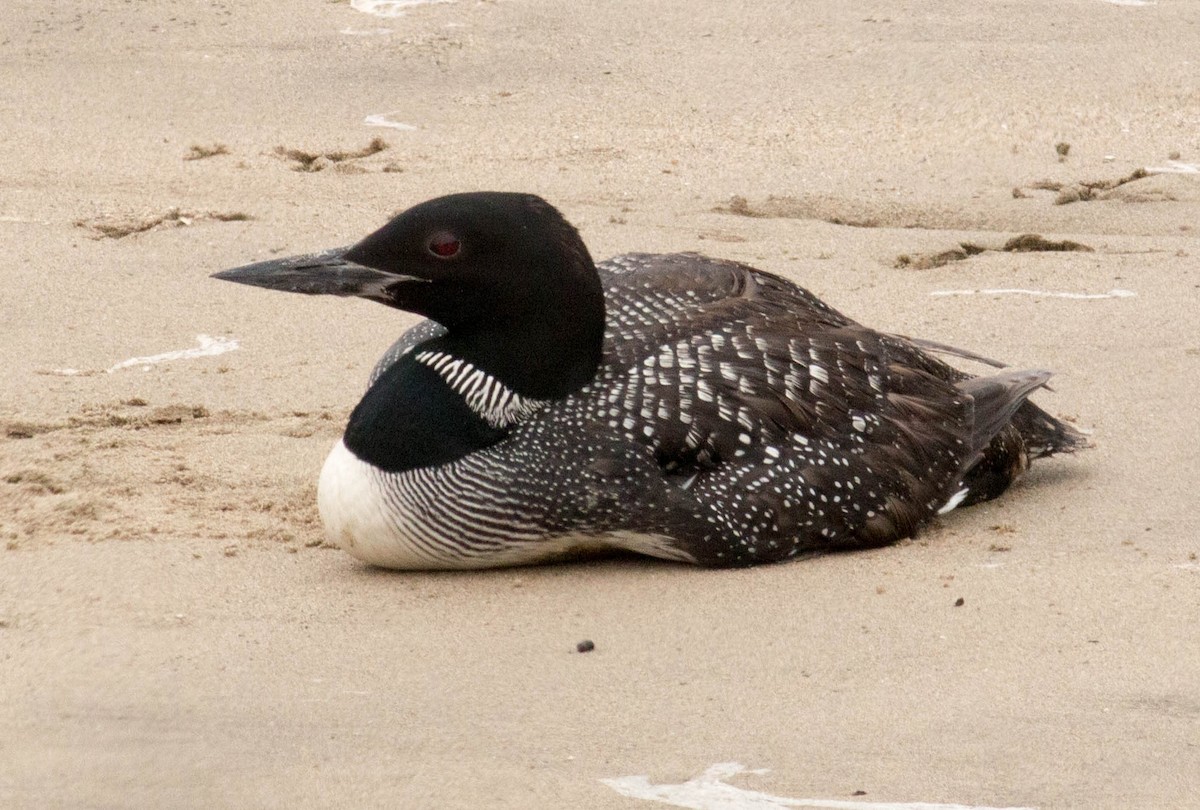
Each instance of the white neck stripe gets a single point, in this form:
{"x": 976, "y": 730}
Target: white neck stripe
{"x": 490, "y": 399}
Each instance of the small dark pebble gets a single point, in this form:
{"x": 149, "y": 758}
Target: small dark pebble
{"x": 585, "y": 646}
{"x": 859, "y": 793}
{"x": 959, "y": 602}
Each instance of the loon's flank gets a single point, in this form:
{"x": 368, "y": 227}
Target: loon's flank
{"x": 673, "y": 405}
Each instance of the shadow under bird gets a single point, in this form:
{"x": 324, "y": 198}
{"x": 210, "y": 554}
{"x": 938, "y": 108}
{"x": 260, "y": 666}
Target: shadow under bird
{"x": 673, "y": 405}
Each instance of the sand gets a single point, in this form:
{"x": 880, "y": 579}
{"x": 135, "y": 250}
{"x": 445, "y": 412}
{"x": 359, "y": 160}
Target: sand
{"x": 174, "y": 633}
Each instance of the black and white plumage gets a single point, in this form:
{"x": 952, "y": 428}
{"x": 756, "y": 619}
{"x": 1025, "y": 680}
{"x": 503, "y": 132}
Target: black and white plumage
{"x": 674, "y": 405}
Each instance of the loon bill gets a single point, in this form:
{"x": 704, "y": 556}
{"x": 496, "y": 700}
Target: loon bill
{"x": 673, "y": 405}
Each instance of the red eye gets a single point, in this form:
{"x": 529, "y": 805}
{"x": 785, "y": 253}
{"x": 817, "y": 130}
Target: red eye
{"x": 444, "y": 245}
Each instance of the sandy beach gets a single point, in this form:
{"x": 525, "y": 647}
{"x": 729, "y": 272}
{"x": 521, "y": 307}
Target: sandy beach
{"x": 174, "y": 632}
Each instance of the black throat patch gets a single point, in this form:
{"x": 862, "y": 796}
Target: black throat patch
{"x": 412, "y": 418}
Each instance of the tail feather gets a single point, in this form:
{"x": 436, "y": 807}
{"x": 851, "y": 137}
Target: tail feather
{"x": 997, "y": 399}
{"x": 1044, "y": 435}
{"x": 1009, "y": 432}
{"x": 1041, "y": 433}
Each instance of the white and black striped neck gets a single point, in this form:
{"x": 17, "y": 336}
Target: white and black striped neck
{"x": 414, "y": 416}
{"x": 487, "y": 397}
{"x": 433, "y": 406}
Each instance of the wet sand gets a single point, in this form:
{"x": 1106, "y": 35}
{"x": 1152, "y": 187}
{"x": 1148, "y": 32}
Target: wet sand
{"x": 173, "y": 631}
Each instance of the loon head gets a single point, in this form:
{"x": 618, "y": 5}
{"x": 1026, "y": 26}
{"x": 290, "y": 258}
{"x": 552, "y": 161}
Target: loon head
{"x": 505, "y": 274}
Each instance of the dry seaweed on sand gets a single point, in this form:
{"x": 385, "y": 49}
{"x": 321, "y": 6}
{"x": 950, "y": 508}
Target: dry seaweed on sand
{"x": 1025, "y": 243}
{"x": 120, "y": 226}
{"x": 317, "y": 161}
{"x": 198, "y": 152}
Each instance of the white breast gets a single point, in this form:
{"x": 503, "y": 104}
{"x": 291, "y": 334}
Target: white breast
{"x": 422, "y": 519}
{"x": 354, "y": 511}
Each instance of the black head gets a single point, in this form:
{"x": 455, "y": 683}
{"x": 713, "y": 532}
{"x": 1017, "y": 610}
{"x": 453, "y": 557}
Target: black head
{"x": 488, "y": 258}
{"x": 505, "y": 273}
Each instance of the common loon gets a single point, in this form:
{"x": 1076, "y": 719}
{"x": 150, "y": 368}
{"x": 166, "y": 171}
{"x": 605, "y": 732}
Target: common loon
{"x": 673, "y": 405}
